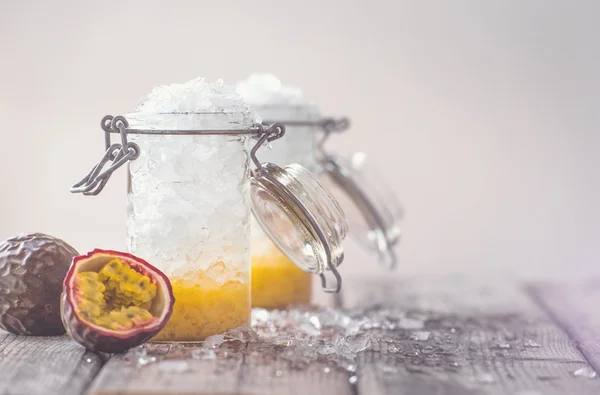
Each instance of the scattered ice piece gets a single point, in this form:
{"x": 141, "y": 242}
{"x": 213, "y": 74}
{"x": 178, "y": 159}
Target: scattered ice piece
{"x": 453, "y": 330}
{"x": 357, "y": 343}
{"x": 144, "y": 359}
{"x": 427, "y": 350}
{"x": 259, "y": 316}
{"x": 531, "y": 343}
{"x": 309, "y": 329}
{"x": 586, "y": 371}
{"x": 342, "y": 348}
{"x": 244, "y": 333}
{"x": 353, "y": 379}
{"x": 315, "y": 321}
{"x": 503, "y": 345}
{"x": 326, "y": 349}
{"x": 203, "y": 353}
{"x": 357, "y": 326}
{"x": 528, "y": 392}
{"x": 283, "y": 340}
{"x": 392, "y": 348}
{"x": 279, "y": 373}
{"x": 420, "y": 336}
{"x": 348, "y": 366}
{"x": 88, "y": 360}
{"x": 334, "y": 318}
{"x": 174, "y": 366}
{"x": 326, "y": 369}
{"x": 214, "y": 341}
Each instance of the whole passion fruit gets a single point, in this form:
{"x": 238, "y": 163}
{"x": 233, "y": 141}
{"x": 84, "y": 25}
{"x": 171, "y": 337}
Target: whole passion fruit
{"x": 32, "y": 269}
{"x": 113, "y": 301}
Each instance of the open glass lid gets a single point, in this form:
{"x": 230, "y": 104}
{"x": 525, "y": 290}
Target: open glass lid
{"x": 371, "y": 207}
{"x": 301, "y": 218}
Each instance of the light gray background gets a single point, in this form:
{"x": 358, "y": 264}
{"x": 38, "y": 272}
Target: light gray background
{"x": 483, "y": 115}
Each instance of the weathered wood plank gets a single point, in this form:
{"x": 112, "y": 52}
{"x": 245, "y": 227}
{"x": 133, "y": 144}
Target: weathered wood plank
{"x": 171, "y": 368}
{"x": 574, "y": 307}
{"x": 267, "y": 372}
{"x": 474, "y": 339}
{"x": 45, "y": 365}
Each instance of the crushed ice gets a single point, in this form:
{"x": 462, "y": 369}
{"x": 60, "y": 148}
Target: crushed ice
{"x": 532, "y": 343}
{"x": 214, "y": 341}
{"x": 334, "y": 337}
{"x": 195, "y": 95}
{"x": 420, "y": 336}
{"x": 586, "y": 372}
{"x": 142, "y": 357}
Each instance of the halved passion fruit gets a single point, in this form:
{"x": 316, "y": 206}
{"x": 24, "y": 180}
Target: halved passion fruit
{"x": 113, "y": 301}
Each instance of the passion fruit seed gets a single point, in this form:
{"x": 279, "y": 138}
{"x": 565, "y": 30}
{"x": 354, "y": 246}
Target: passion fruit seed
{"x": 117, "y": 297}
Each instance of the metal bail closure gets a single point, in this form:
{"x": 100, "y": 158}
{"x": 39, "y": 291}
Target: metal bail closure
{"x": 301, "y": 218}
{"x": 116, "y": 155}
{"x": 366, "y": 199}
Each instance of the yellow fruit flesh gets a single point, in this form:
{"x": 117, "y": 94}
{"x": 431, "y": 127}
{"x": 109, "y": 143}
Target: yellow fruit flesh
{"x": 278, "y": 283}
{"x": 207, "y": 304}
{"x": 117, "y": 297}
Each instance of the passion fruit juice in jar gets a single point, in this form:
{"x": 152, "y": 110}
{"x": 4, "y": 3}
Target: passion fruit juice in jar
{"x": 189, "y": 205}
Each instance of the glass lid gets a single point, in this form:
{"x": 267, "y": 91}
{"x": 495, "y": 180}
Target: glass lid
{"x": 372, "y": 208}
{"x": 301, "y": 218}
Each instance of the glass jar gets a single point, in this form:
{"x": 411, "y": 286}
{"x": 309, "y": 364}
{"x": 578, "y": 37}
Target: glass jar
{"x": 276, "y": 281}
{"x": 188, "y": 213}
{"x": 189, "y": 196}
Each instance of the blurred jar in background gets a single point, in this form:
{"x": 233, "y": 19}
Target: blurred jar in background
{"x": 276, "y": 281}
{"x": 372, "y": 209}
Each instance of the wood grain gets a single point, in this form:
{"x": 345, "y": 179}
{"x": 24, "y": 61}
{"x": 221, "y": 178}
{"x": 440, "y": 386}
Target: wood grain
{"x": 575, "y": 308}
{"x": 482, "y": 340}
{"x": 45, "y": 365}
{"x": 177, "y": 370}
{"x": 276, "y": 373}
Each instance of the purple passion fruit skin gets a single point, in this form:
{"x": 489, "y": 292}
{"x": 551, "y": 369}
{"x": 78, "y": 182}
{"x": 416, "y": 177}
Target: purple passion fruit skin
{"x": 113, "y": 301}
{"x": 32, "y": 269}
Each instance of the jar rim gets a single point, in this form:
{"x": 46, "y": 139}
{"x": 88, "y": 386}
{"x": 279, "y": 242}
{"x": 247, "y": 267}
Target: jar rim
{"x": 191, "y": 121}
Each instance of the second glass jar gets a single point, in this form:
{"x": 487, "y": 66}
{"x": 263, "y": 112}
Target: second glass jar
{"x": 276, "y": 281}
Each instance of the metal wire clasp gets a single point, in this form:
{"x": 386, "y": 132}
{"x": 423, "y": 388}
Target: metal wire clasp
{"x": 268, "y": 133}
{"x": 116, "y": 155}
{"x": 329, "y": 126}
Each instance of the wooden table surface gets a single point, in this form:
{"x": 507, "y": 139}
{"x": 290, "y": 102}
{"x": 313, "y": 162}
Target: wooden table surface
{"x": 477, "y": 337}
